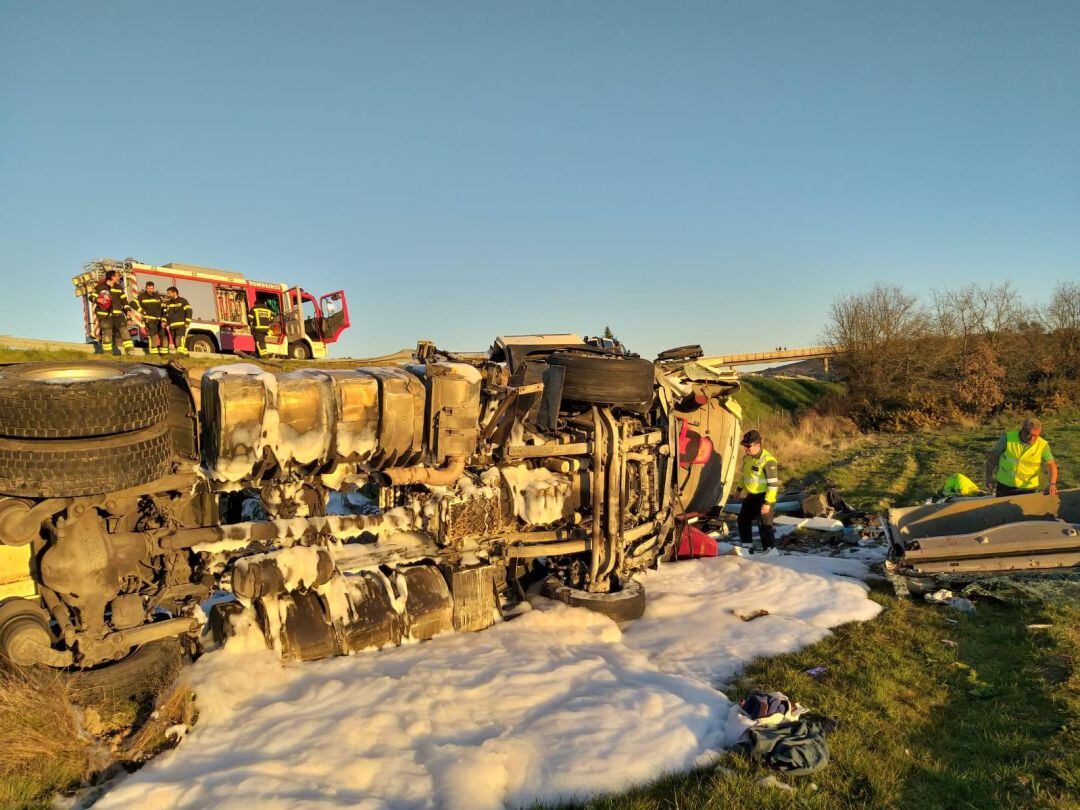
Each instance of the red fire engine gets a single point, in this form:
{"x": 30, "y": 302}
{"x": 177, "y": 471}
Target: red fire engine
{"x": 220, "y": 300}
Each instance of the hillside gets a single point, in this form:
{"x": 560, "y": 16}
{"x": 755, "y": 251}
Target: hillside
{"x": 763, "y": 397}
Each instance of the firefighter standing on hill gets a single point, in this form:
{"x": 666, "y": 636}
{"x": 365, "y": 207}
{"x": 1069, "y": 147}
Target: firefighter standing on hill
{"x": 759, "y": 478}
{"x": 111, "y": 308}
{"x": 259, "y": 318}
{"x": 152, "y": 309}
{"x": 177, "y": 317}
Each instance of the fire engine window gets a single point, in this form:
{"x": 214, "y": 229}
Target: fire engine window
{"x": 202, "y": 298}
{"x": 309, "y": 309}
{"x": 271, "y": 302}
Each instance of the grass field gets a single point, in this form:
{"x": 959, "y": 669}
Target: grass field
{"x": 879, "y": 470}
{"x": 993, "y": 722}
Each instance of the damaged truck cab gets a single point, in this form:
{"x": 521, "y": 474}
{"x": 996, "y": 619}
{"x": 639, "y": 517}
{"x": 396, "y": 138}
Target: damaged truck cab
{"x": 342, "y": 509}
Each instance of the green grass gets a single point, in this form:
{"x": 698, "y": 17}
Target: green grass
{"x": 881, "y": 470}
{"x": 192, "y": 361}
{"x": 765, "y": 397}
{"x": 994, "y": 722}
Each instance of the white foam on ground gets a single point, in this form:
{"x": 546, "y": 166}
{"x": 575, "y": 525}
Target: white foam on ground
{"x": 555, "y": 704}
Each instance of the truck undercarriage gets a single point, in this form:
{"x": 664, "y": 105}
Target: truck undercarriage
{"x": 342, "y": 510}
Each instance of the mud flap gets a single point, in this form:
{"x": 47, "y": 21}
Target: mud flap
{"x": 428, "y": 606}
{"x": 372, "y": 621}
{"x": 305, "y": 633}
{"x": 473, "y": 591}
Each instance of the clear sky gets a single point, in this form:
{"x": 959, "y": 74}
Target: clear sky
{"x": 684, "y": 172}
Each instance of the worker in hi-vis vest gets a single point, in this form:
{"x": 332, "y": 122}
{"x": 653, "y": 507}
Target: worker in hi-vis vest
{"x": 759, "y": 478}
{"x": 1014, "y": 466}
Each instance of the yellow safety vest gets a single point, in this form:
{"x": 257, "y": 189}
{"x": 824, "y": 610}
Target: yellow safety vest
{"x": 754, "y": 478}
{"x": 1021, "y": 463}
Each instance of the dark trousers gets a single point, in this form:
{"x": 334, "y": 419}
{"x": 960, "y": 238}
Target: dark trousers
{"x": 109, "y": 334}
{"x": 178, "y": 337}
{"x": 260, "y": 340}
{"x": 154, "y": 338}
{"x": 1002, "y": 490}
{"x": 749, "y": 511}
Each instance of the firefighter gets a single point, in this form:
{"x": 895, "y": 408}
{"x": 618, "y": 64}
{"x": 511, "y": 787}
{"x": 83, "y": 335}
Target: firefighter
{"x": 150, "y": 305}
{"x": 260, "y": 317}
{"x": 760, "y": 480}
{"x": 1014, "y": 465}
{"x": 110, "y": 308}
{"x": 177, "y": 317}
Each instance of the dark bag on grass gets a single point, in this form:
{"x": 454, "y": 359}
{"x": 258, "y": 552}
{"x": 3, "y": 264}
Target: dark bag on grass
{"x": 796, "y": 748}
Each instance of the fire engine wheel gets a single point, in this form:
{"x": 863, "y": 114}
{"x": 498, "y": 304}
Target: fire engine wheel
{"x": 80, "y": 399}
{"x": 623, "y": 605}
{"x": 64, "y": 468}
{"x": 200, "y": 344}
{"x": 598, "y": 379}
{"x": 298, "y": 350}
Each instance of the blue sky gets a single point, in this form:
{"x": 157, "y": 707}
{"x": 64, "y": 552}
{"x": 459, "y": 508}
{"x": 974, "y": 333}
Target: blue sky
{"x": 685, "y": 172}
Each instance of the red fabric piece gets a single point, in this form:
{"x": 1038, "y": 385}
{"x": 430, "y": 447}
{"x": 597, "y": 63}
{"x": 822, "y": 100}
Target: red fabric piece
{"x": 695, "y": 543}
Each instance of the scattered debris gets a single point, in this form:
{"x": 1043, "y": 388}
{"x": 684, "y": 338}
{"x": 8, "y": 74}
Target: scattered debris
{"x": 772, "y": 782}
{"x": 947, "y": 598}
{"x": 749, "y": 616}
{"x": 816, "y": 672}
{"x": 948, "y": 642}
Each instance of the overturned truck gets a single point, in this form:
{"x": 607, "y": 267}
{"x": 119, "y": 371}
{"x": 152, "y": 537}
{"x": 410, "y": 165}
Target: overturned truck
{"x": 132, "y": 495}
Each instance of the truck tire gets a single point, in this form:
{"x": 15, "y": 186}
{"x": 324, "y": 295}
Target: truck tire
{"x": 624, "y": 605}
{"x": 200, "y": 344}
{"x": 64, "y": 468}
{"x": 142, "y": 673}
{"x": 598, "y": 379}
{"x": 80, "y": 399}
{"x": 298, "y": 350}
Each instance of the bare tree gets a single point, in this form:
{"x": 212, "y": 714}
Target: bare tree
{"x": 881, "y": 336}
{"x": 978, "y": 312}
{"x": 1063, "y": 311}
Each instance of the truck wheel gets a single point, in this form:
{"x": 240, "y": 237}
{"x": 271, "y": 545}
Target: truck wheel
{"x": 599, "y": 379}
{"x": 143, "y": 672}
{"x": 624, "y": 605}
{"x": 64, "y": 468}
{"x": 80, "y": 398}
{"x": 298, "y": 350}
{"x": 200, "y": 344}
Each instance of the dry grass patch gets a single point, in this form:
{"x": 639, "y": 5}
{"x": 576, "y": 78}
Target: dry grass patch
{"x": 45, "y": 747}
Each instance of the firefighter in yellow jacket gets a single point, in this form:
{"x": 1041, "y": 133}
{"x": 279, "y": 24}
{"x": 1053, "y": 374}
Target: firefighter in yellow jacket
{"x": 761, "y": 480}
{"x": 1015, "y": 464}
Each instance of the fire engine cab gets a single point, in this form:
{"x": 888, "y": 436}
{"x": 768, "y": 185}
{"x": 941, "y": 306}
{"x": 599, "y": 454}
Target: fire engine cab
{"x": 220, "y": 299}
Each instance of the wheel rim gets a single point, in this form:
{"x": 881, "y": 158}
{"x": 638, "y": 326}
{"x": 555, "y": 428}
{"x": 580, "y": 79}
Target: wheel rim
{"x": 73, "y": 374}
{"x": 200, "y": 347}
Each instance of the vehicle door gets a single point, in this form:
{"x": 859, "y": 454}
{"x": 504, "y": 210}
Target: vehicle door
{"x": 335, "y": 315}
{"x": 293, "y": 314}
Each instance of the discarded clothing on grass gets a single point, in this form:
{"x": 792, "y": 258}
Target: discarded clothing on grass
{"x": 796, "y": 748}
{"x": 947, "y": 598}
{"x": 770, "y": 708}
{"x": 959, "y": 485}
